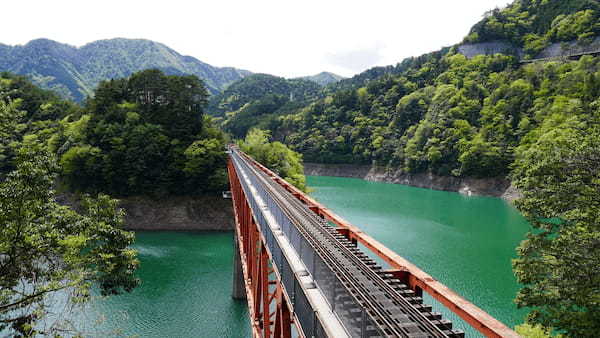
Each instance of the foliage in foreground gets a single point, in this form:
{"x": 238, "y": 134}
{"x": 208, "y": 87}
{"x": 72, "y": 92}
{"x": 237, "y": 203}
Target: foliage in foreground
{"x": 275, "y": 156}
{"x": 559, "y": 262}
{"x": 47, "y": 248}
{"x": 27, "y": 114}
{"x": 534, "y": 331}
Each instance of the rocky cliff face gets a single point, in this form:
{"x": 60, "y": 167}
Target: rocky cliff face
{"x": 471, "y": 50}
{"x": 497, "y": 187}
{"x": 181, "y": 213}
{"x": 207, "y": 213}
{"x": 569, "y": 48}
{"x": 554, "y": 50}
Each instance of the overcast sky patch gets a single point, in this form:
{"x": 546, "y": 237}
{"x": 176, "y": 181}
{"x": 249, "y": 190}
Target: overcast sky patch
{"x": 357, "y": 60}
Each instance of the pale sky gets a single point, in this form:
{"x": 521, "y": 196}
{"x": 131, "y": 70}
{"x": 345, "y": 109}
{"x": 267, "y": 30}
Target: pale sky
{"x": 279, "y": 37}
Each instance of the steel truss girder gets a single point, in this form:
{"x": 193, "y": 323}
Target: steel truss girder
{"x": 268, "y": 307}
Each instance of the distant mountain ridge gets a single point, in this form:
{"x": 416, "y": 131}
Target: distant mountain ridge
{"x": 323, "y": 78}
{"x": 74, "y": 72}
{"x": 257, "y": 86}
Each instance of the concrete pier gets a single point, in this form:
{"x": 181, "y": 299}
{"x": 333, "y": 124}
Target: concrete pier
{"x": 239, "y": 290}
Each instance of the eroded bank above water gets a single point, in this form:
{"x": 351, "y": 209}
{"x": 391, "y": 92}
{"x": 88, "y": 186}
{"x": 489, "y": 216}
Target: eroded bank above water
{"x": 172, "y": 213}
{"x": 496, "y": 187}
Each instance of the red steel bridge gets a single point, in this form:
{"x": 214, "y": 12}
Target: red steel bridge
{"x": 303, "y": 274}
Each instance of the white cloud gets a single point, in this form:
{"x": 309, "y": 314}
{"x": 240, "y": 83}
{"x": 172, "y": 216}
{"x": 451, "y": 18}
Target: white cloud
{"x": 287, "y": 38}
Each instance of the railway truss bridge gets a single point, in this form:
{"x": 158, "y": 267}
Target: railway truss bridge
{"x": 306, "y": 272}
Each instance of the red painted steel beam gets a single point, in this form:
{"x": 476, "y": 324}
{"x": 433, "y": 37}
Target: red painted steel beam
{"x": 255, "y": 260}
{"x": 417, "y": 279}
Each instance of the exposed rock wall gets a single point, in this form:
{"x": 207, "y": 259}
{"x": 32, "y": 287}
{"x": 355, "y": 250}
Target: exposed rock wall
{"x": 497, "y": 187}
{"x": 569, "y": 48}
{"x": 340, "y": 170}
{"x": 471, "y": 50}
{"x": 208, "y": 213}
{"x": 204, "y": 213}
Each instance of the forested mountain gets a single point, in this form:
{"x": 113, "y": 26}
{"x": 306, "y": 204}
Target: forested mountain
{"x": 258, "y": 100}
{"x": 75, "y": 72}
{"x": 442, "y": 112}
{"x": 256, "y": 86}
{"x": 453, "y": 116}
{"x": 534, "y": 24}
{"x": 323, "y": 78}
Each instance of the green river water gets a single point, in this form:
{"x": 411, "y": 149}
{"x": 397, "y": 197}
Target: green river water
{"x": 465, "y": 242}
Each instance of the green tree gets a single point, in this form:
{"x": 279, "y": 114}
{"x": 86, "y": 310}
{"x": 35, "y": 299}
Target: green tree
{"x": 11, "y": 126}
{"x": 534, "y": 331}
{"x": 47, "y": 248}
{"x": 205, "y": 164}
{"x": 275, "y": 156}
{"x": 558, "y": 262}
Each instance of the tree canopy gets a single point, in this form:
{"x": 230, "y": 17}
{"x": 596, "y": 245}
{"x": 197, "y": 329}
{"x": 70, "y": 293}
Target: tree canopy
{"x": 146, "y": 134}
{"x": 46, "y": 248}
{"x": 559, "y": 262}
{"x": 275, "y": 156}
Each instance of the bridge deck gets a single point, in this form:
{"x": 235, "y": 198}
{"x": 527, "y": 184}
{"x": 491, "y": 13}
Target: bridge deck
{"x": 367, "y": 301}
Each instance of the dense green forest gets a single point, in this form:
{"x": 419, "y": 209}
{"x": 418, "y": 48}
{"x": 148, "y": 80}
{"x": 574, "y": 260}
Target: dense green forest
{"x": 441, "y": 113}
{"x": 534, "y": 24}
{"x": 451, "y": 116}
{"x": 258, "y": 100}
{"x": 143, "y": 135}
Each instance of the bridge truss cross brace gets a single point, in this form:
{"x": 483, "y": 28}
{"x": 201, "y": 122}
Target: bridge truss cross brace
{"x": 268, "y": 306}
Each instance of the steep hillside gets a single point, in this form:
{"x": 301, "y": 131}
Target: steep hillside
{"x": 75, "y": 72}
{"x": 442, "y": 113}
{"x": 258, "y": 100}
{"x": 256, "y": 86}
{"x": 535, "y": 24}
{"x": 324, "y": 78}
{"x": 468, "y": 120}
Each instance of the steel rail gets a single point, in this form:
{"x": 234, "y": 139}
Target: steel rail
{"x": 323, "y": 241}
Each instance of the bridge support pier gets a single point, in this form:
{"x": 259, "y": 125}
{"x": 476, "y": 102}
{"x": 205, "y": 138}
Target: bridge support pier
{"x": 239, "y": 287}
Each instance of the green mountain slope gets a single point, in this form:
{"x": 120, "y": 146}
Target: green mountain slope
{"x": 258, "y": 100}
{"x": 324, "y": 78}
{"x": 75, "y": 72}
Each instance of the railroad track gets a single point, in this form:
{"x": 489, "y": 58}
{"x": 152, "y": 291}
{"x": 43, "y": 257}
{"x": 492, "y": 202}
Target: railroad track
{"x": 391, "y": 308}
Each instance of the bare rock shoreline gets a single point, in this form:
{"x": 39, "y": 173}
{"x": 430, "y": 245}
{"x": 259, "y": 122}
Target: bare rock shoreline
{"x": 172, "y": 213}
{"x": 496, "y": 187}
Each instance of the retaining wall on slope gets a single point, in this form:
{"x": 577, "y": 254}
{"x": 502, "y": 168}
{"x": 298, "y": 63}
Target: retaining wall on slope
{"x": 471, "y": 50}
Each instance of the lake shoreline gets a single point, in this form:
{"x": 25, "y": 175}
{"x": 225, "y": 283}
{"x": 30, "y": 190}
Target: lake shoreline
{"x": 494, "y": 187}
